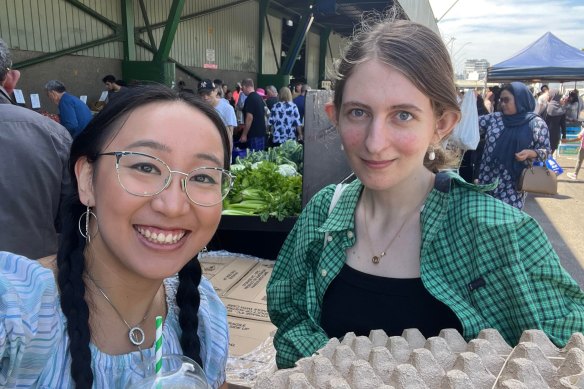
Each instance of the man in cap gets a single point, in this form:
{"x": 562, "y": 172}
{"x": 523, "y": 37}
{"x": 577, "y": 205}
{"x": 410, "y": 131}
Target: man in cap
{"x": 209, "y": 92}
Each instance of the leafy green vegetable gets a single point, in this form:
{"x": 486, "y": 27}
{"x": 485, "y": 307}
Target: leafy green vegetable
{"x": 260, "y": 189}
{"x": 289, "y": 152}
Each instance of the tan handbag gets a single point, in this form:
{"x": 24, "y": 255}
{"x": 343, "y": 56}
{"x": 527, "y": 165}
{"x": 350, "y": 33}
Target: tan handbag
{"x": 538, "y": 179}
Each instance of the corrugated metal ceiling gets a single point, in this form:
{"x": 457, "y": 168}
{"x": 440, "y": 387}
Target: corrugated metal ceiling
{"x": 346, "y": 15}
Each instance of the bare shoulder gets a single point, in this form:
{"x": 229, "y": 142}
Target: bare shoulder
{"x": 50, "y": 263}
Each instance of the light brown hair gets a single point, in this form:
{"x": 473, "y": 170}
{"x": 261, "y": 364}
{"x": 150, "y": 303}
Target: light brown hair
{"x": 415, "y": 51}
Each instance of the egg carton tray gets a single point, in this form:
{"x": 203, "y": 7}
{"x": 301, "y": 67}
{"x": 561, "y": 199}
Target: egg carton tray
{"x": 445, "y": 361}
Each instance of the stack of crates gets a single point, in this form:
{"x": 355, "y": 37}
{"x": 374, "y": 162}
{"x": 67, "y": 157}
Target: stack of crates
{"x": 572, "y": 131}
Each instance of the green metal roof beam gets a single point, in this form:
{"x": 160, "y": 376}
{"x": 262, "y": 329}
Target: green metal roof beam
{"x": 264, "y": 5}
{"x": 147, "y": 23}
{"x": 144, "y": 44}
{"x": 297, "y": 42}
{"x": 195, "y": 15}
{"x": 169, "y": 31}
{"x": 276, "y": 56}
{"x": 110, "y": 23}
{"x": 70, "y": 50}
{"x": 128, "y": 28}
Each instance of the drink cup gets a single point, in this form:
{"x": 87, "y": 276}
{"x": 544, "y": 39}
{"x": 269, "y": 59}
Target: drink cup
{"x": 177, "y": 372}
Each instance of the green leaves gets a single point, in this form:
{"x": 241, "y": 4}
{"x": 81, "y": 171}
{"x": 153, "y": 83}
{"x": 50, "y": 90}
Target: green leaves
{"x": 261, "y": 190}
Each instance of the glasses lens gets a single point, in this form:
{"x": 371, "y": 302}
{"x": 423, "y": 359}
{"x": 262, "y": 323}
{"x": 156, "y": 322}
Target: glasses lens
{"x": 504, "y": 100}
{"x": 142, "y": 175}
{"x": 208, "y": 186}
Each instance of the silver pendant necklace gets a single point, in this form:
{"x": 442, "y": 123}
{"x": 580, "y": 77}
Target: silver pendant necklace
{"x": 135, "y": 333}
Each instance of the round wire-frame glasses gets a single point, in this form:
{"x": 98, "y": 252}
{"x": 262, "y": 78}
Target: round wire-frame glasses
{"x": 145, "y": 167}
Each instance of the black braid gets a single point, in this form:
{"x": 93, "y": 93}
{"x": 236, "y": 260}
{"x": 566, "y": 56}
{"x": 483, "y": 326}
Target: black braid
{"x": 188, "y": 300}
{"x": 71, "y": 265}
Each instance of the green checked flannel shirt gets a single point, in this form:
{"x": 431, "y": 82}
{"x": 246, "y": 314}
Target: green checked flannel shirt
{"x": 489, "y": 262}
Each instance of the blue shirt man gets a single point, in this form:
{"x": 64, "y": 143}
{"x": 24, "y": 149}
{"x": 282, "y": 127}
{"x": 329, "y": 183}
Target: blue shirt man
{"x": 74, "y": 113}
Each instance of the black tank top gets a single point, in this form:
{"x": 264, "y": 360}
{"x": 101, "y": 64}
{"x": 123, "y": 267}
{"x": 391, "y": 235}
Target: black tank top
{"x": 359, "y": 302}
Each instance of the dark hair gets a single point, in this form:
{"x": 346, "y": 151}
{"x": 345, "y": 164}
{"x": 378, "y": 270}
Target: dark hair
{"x": 70, "y": 257}
{"x": 108, "y": 78}
{"x": 481, "y": 109}
{"x": 573, "y": 96}
{"x": 412, "y": 49}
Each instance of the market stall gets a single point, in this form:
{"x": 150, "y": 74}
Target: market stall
{"x": 548, "y": 58}
{"x": 273, "y": 186}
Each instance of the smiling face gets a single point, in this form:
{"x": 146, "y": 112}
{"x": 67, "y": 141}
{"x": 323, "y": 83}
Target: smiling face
{"x": 386, "y": 125}
{"x": 152, "y": 237}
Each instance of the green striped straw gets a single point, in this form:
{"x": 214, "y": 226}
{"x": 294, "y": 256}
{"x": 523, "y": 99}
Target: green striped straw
{"x": 158, "y": 346}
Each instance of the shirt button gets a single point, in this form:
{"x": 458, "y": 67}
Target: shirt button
{"x": 323, "y": 272}
{"x": 350, "y": 234}
{"x": 329, "y": 238}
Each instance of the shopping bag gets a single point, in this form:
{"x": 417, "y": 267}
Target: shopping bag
{"x": 553, "y": 165}
{"x": 466, "y": 133}
{"x": 538, "y": 179}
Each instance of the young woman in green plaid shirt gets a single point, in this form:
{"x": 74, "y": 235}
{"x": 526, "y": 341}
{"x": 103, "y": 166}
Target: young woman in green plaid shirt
{"x": 405, "y": 246}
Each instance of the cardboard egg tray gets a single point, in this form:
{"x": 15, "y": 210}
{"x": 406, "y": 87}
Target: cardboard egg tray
{"x": 446, "y": 361}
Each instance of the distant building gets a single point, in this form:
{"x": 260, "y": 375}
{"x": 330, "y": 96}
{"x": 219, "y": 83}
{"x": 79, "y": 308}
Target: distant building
{"x": 475, "y": 68}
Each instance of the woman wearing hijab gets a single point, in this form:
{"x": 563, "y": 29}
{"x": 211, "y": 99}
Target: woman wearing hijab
{"x": 555, "y": 118}
{"x": 513, "y": 138}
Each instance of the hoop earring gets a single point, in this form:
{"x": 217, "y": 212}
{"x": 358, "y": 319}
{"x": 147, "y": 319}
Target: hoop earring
{"x": 202, "y": 252}
{"x": 85, "y": 231}
{"x": 432, "y": 154}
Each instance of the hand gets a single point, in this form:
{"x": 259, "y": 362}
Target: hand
{"x": 243, "y": 138}
{"x": 525, "y": 154}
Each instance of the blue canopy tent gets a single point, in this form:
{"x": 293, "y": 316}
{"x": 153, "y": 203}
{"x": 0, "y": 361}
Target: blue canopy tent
{"x": 549, "y": 58}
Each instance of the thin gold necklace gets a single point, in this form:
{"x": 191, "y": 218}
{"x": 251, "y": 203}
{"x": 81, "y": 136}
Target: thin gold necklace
{"x": 135, "y": 333}
{"x": 376, "y": 258}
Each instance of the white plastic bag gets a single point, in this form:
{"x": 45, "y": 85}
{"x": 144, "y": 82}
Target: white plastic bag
{"x": 466, "y": 133}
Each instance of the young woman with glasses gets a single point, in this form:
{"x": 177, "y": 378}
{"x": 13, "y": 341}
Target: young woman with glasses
{"x": 514, "y": 137}
{"x": 151, "y": 173}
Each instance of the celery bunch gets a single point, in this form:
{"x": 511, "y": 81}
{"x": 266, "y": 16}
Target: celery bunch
{"x": 264, "y": 189}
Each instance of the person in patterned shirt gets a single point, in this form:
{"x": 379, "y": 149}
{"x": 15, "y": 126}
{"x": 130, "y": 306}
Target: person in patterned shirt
{"x": 406, "y": 245}
{"x": 285, "y": 119}
{"x": 513, "y": 138}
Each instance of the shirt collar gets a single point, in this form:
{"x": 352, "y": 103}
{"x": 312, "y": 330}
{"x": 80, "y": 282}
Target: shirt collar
{"x": 342, "y": 216}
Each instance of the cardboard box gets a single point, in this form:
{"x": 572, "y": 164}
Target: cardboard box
{"x": 246, "y": 309}
{"x": 241, "y": 284}
{"x": 234, "y": 269}
{"x": 252, "y": 286}
{"x": 245, "y": 334}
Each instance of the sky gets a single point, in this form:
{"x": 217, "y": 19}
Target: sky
{"x": 498, "y": 29}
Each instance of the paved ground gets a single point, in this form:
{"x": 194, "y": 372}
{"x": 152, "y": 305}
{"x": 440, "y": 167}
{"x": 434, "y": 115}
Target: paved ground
{"x": 562, "y": 218}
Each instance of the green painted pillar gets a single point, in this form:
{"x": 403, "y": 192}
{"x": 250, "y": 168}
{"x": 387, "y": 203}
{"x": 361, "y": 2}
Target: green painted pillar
{"x": 128, "y": 30}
